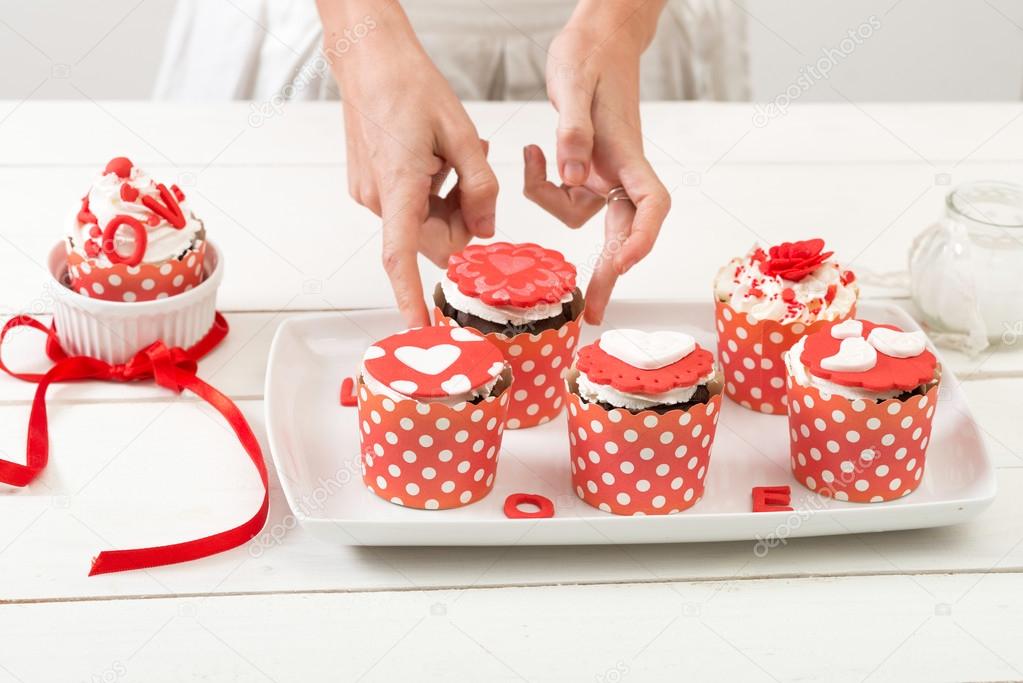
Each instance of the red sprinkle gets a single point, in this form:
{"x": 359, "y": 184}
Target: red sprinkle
{"x": 153, "y": 220}
{"x": 85, "y": 217}
{"x": 848, "y": 276}
{"x": 178, "y": 194}
{"x": 129, "y": 193}
{"x": 120, "y": 165}
{"x": 94, "y": 231}
{"x": 830, "y": 296}
{"x": 92, "y": 248}
{"x": 348, "y": 397}
{"x": 545, "y": 508}
{"x": 788, "y": 294}
{"x": 772, "y": 498}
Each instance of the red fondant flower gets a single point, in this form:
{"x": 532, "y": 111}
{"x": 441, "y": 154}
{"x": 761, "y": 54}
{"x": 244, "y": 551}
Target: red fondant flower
{"x": 503, "y": 274}
{"x": 795, "y": 260}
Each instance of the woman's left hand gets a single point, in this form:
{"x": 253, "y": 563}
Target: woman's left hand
{"x": 593, "y": 82}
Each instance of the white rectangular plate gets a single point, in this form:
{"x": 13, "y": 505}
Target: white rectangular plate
{"x": 315, "y": 447}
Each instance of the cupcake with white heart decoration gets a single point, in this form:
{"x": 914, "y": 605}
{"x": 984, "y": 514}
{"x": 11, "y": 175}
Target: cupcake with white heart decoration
{"x": 861, "y": 402}
{"x": 642, "y": 412}
{"x": 432, "y": 408}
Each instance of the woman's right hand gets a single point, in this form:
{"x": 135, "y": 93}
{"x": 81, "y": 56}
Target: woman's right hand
{"x": 405, "y": 130}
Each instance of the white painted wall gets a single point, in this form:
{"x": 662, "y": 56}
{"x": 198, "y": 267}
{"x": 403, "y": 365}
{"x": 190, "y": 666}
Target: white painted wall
{"x": 920, "y": 50}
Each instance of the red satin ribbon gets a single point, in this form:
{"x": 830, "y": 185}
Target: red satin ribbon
{"x": 173, "y": 368}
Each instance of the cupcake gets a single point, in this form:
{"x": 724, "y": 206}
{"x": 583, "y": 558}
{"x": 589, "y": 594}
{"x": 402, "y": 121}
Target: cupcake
{"x": 133, "y": 239}
{"x": 764, "y": 302}
{"x": 642, "y": 412}
{"x": 861, "y": 400}
{"x": 432, "y": 407}
{"x": 524, "y": 299}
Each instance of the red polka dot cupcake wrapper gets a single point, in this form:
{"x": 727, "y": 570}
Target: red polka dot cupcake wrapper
{"x": 144, "y": 282}
{"x": 751, "y": 356}
{"x": 856, "y": 450}
{"x": 539, "y": 364}
{"x": 643, "y": 464}
{"x": 431, "y": 456}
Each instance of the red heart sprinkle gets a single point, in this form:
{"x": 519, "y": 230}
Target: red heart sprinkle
{"x": 129, "y": 193}
{"x": 94, "y": 231}
{"x": 120, "y": 165}
{"x": 153, "y": 220}
{"x": 85, "y": 217}
{"x": 92, "y": 248}
{"x": 788, "y": 294}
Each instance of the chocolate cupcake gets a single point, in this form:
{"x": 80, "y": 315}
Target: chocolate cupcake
{"x": 642, "y": 413}
{"x": 432, "y": 407}
{"x": 861, "y": 402}
{"x": 524, "y": 299}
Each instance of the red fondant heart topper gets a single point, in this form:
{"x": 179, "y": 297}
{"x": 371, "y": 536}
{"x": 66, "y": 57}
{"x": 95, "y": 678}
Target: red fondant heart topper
{"x": 889, "y": 373}
{"x": 434, "y": 362}
{"x": 518, "y": 275}
{"x": 603, "y": 368}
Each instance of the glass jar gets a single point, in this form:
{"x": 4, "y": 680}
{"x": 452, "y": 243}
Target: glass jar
{"x": 966, "y": 270}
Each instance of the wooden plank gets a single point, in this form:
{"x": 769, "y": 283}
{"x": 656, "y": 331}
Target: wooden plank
{"x": 683, "y": 133}
{"x": 122, "y": 475}
{"x": 891, "y": 628}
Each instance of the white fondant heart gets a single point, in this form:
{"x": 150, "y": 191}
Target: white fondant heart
{"x": 458, "y": 384}
{"x": 897, "y": 344}
{"x": 647, "y": 350}
{"x": 854, "y": 355}
{"x": 462, "y": 334}
{"x": 509, "y": 265}
{"x": 403, "y": 386}
{"x": 847, "y": 328}
{"x": 431, "y": 361}
{"x": 373, "y": 352}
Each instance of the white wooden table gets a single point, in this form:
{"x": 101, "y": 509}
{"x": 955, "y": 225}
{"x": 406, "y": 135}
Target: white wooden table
{"x": 135, "y": 465}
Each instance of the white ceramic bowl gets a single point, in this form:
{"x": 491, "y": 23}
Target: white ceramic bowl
{"x": 114, "y": 331}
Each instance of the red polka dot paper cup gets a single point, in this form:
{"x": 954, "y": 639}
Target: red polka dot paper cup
{"x": 144, "y": 282}
{"x": 643, "y": 463}
{"x": 115, "y": 330}
{"x": 539, "y": 364}
{"x": 859, "y": 450}
{"x": 431, "y": 456}
{"x": 751, "y": 356}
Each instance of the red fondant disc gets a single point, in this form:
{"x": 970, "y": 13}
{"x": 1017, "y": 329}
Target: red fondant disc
{"x": 434, "y": 362}
{"x": 888, "y": 374}
{"x": 519, "y": 275}
{"x": 119, "y": 165}
{"x": 602, "y": 368}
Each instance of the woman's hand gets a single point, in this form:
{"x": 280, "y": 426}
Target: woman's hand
{"x": 593, "y": 82}
{"x": 406, "y": 130}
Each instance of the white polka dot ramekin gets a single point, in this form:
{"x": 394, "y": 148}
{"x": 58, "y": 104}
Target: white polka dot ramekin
{"x": 856, "y": 450}
{"x": 643, "y": 463}
{"x": 751, "y": 356}
{"x": 114, "y": 331}
{"x": 539, "y": 364}
{"x": 431, "y": 456}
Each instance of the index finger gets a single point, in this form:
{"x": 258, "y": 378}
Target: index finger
{"x": 403, "y": 211}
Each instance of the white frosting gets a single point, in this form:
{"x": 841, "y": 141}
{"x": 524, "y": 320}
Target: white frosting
{"x": 803, "y": 378}
{"x": 381, "y": 389}
{"x": 734, "y": 282}
{"x": 504, "y": 315}
{"x": 593, "y": 392}
{"x": 163, "y": 241}
{"x": 647, "y": 350}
